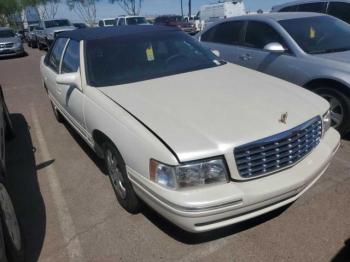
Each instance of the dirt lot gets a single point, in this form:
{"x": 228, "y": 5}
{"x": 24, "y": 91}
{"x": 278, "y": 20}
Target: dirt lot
{"x": 69, "y": 212}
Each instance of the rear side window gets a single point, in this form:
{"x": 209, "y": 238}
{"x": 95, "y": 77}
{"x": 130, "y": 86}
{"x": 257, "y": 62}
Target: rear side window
{"x": 56, "y": 54}
{"x": 292, "y": 8}
{"x": 121, "y": 21}
{"x": 318, "y": 7}
{"x": 228, "y": 33}
{"x": 340, "y": 10}
{"x": 70, "y": 62}
{"x": 260, "y": 34}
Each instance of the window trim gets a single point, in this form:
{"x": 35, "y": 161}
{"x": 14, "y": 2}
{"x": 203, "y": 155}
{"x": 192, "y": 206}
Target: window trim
{"x": 47, "y": 57}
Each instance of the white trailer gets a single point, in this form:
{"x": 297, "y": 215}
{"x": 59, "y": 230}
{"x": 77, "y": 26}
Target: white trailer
{"x": 223, "y": 9}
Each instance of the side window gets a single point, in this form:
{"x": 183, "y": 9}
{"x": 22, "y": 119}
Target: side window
{"x": 292, "y": 8}
{"x": 228, "y": 33}
{"x": 259, "y": 34}
{"x": 340, "y": 10}
{"x": 100, "y": 23}
{"x": 318, "y": 7}
{"x": 56, "y": 54}
{"x": 71, "y": 61}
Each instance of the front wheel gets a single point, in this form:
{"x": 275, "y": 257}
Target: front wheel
{"x": 122, "y": 186}
{"x": 10, "y": 227}
{"x": 339, "y": 107}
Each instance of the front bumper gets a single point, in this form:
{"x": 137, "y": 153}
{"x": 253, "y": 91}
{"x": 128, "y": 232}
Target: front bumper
{"x": 208, "y": 208}
{"x": 5, "y": 52}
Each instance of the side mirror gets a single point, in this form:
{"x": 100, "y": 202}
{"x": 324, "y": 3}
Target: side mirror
{"x": 72, "y": 79}
{"x": 274, "y": 48}
{"x": 216, "y": 52}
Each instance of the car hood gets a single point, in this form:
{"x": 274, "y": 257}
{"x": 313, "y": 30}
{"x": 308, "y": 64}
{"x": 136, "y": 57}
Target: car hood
{"x": 9, "y": 40}
{"x": 343, "y": 57}
{"x": 208, "y": 112}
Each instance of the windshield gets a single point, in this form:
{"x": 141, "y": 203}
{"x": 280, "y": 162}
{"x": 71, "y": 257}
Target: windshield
{"x": 57, "y": 23}
{"x": 7, "y": 33}
{"x": 319, "y": 35}
{"x": 31, "y": 28}
{"x": 110, "y": 22}
{"x": 133, "y": 58}
{"x": 136, "y": 20}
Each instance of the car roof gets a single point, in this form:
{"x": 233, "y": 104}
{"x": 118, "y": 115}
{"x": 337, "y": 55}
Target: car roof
{"x": 277, "y": 16}
{"x": 277, "y": 7}
{"x": 113, "y": 31}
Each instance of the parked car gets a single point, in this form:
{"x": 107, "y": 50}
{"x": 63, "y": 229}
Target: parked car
{"x": 30, "y": 35}
{"x": 48, "y": 30}
{"x": 11, "y": 246}
{"x": 308, "y": 49}
{"x": 10, "y": 43}
{"x": 175, "y": 21}
{"x": 205, "y": 143}
{"x": 80, "y": 25}
{"x": 337, "y": 8}
{"x": 106, "y": 22}
{"x": 131, "y": 20}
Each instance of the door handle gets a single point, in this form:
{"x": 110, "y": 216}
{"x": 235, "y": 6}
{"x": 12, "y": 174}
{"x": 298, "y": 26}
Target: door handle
{"x": 246, "y": 57}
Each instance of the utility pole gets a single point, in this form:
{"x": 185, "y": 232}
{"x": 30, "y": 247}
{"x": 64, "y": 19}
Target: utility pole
{"x": 189, "y": 8}
{"x": 182, "y": 9}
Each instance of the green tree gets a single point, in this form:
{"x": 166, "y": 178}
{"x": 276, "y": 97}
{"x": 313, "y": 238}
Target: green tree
{"x": 131, "y": 7}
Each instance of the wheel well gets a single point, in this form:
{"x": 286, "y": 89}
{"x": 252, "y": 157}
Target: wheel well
{"x": 312, "y": 85}
{"x": 99, "y": 138}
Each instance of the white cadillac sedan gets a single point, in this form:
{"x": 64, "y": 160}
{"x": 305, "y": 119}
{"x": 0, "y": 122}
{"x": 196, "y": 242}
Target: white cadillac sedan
{"x": 205, "y": 143}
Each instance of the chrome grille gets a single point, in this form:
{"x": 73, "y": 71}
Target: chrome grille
{"x": 6, "y": 45}
{"x": 280, "y": 151}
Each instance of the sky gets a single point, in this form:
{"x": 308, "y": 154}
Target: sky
{"x": 155, "y": 7}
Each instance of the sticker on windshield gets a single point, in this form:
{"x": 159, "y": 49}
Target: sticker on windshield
{"x": 150, "y": 53}
{"x": 312, "y": 33}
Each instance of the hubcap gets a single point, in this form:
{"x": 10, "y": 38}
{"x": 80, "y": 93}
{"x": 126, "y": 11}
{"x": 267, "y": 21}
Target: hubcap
{"x": 337, "y": 110}
{"x": 10, "y": 218}
{"x": 115, "y": 174}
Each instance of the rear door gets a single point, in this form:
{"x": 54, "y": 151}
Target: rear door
{"x": 224, "y": 37}
{"x": 51, "y": 70}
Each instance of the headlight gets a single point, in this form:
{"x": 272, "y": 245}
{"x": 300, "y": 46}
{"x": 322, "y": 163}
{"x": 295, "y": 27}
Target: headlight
{"x": 327, "y": 121}
{"x": 193, "y": 174}
{"x": 18, "y": 44}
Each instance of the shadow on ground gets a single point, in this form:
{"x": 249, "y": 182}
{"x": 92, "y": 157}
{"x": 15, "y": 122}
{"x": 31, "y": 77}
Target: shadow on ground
{"x": 344, "y": 254}
{"x": 24, "y": 188}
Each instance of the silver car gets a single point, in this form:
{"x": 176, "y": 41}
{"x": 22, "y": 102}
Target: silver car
{"x": 10, "y": 43}
{"x": 308, "y": 49}
{"x": 48, "y": 29}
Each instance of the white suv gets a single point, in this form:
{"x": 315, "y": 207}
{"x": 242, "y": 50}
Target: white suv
{"x": 205, "y": 143}
{"x": 131, "y": 20}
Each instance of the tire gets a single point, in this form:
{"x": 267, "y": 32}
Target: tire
{"x": 57, "y": 114}
{"x": 29, "y": 43}
{"x": 121, "y": 184}
{"x": 34, "y": 44}
{"x": 3, "y": 256}
{"x": 39, "y": 45}
{"x": 10, "y": 227}
{"x": 340, "y": 108}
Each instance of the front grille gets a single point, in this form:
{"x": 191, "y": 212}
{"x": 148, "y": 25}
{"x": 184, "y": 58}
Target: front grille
{"x": 278, "y": 152}
{"x": 9, "y": 45}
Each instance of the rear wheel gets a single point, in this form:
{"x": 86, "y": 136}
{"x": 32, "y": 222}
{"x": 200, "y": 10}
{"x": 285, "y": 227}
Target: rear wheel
{"x": 10, "y": 227}
{"x": 118, "y": 176}
{"x": 340, "y": 108}
{"x": 39, "y": 45}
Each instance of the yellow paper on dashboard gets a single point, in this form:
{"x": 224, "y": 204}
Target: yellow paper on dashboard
{"x": 150, "y": 53}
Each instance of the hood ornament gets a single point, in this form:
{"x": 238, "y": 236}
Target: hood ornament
{"x": 283, "y": 118}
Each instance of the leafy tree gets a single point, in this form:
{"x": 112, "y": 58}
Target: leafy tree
{"x": 131, "y": 7}
{"x": 85, "y": 9}
{"x": 48, "y": 8}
